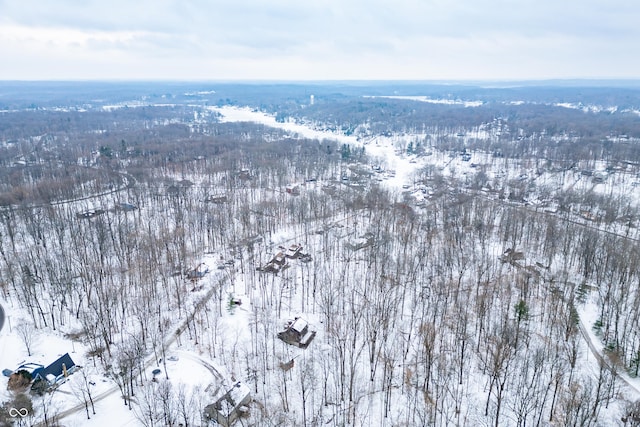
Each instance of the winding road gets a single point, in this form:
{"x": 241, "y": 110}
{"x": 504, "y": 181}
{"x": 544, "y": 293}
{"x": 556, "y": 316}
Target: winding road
{"x": 602, "y": 360}
{"x": 128, "y": 182}
{"x": 150, "y": 360}
{"x": 582, "y": 328}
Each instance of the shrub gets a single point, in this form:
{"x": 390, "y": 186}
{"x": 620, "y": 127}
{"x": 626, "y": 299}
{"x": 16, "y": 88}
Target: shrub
{"x": 19, "y": 381}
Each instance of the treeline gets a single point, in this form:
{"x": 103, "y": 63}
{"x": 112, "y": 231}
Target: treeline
{"x": 74, "y": 164}
{"x": 514, "y": 130}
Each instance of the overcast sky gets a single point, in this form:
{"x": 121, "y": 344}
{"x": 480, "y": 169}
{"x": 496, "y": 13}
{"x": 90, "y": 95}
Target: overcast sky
{"x": 319, "y": 40}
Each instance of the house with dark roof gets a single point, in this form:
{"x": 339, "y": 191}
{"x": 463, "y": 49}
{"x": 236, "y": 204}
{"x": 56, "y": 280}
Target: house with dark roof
{"x": 58, "y": 370}
{"x": 230, "y": 406}
{"x": 90, "y": 213}
{"x": 217, "y": 199}
{"x": 126, "y": 207}
{"x": 293, "y": 251}
{"x": 297, "y": 332}
{"x": 34, "y": 369}
{"x": 198, "y": 272}
{"x": 277, "y": 263}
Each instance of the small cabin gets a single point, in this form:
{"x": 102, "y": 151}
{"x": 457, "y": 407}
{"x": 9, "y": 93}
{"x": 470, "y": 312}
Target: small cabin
{"x": 217, "y": 199}
{"x": 297, "y": 332}
{"x": 90, "y": 213}
{"x": 293, "y": 251}
{"x": 198, "y": 272}
{"x": 293, "y": 189}
{"x": 512, "y": 256}
{"x": 244, "y": 174}
{"x": 278, "y": 259}
{"x": 126, "y": 207}
{"x": 275, "y": 264}
{"x": 226, "y": 410}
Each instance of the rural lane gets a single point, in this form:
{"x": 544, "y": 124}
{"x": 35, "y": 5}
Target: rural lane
{"x": 150, "y": 360}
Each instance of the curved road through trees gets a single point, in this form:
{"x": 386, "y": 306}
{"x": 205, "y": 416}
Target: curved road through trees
{"x": 150, "y": 359}
{"x": 128, "y": 182}
{"x": 582, "y": 328}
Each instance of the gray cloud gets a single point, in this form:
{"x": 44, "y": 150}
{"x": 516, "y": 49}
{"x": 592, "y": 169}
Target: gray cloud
{"x": 423, "y": 36}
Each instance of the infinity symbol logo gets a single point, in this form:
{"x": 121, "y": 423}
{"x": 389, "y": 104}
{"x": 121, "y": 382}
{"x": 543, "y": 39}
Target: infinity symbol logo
{"x": 14, "y": 412}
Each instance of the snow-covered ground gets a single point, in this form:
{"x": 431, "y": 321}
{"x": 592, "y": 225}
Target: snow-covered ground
{"x": 380, "y": 147}
{"x": 430, "y": 100}
{"x": 239, "y": 331}
{"x": 246, "y": 114}
{"x": 391, "y": 153}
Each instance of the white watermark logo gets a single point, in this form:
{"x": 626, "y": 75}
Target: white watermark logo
{"x": 15, "y": 412}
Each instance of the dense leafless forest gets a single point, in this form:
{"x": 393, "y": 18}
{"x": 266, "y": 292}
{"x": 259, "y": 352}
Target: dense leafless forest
{"x": 497, "y": 285}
